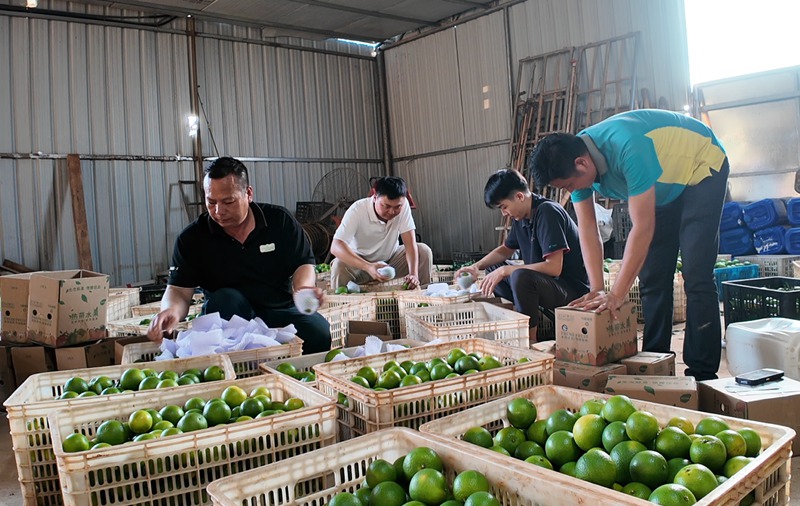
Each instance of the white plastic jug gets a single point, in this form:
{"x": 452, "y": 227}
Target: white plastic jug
{"x": 769, "y": 342}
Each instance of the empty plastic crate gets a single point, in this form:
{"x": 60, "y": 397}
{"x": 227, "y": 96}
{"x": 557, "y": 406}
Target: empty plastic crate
{"x": 731, "y": 216}
{"x": 764, "y": 213}
{"x": 770, "y": 240}
{"x": 737, "y": 241}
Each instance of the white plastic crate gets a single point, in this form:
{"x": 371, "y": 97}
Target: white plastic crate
{"x": 30, "y": 404}
{"x": 769, "y": 477}
{"x": 448, "y": 275}
{"x": 772, "y": 265}
{"x": 305, "y": 363}
{"x": 245, "y": 362}
{"x": 678, "y": 294}
{"x": 340, "y": 309}
{"x": 370, "y": 411}
{"x": 134, "y": 326}
{"x": 385, "y": 297}
{"x": 453, "y": 322}
{"x": 147, "y": 310}
{"x": 177, "y": 469}
{"x": 312, "y": 479}
{"x": 120, "y": 301}
{"x": 417, "y": 298}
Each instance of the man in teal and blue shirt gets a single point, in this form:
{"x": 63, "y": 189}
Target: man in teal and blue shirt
{"x": 673, "y": 172}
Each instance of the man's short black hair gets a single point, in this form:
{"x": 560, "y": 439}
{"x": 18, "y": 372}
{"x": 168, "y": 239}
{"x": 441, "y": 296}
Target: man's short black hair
{"x": 554, "y": 157}
{"x": 391, "y": 187}
{"x": 502, "y": 185}
{"x": 226, "y": 166}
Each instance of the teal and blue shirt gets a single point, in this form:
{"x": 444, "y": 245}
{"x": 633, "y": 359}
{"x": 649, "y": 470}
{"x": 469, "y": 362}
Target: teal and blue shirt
{"x": 642, "y": 148}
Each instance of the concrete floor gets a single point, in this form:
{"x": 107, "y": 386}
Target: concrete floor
{"x": 10, "y": 491}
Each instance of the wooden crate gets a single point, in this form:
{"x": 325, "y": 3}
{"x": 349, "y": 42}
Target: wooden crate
{"x": 176, "y": 469}
{"x": 369, "y": 411}
{"x": 768, "y": 475}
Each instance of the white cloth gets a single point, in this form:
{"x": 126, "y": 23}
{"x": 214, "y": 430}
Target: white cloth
{"x": 368, "y": 236}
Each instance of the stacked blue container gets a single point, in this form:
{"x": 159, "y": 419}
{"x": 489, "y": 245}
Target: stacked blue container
{"x": 792, "y": 238}
{"x": 767, "y": 219}
{"x": 734, "y": 238}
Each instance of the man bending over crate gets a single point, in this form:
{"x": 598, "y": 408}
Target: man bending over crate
{"x": 673, "y": 172}
{"x": 368, "y": 239}
{"x": 552, "y": 272}
{"x": 248, "y": 258}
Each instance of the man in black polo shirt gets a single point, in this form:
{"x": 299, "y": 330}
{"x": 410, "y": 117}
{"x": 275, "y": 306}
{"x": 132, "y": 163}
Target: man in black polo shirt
{"x": 248, "y": 258}
{"x": 547, "y": 238}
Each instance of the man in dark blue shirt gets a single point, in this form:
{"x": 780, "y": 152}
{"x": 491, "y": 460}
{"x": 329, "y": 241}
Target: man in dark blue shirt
{"x": 552, "y": 274}
{"x": 248, "y": 258}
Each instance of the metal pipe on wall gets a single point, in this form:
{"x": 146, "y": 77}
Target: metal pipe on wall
{"x": 383, "y": 111}
{"x": 197, "y": 146}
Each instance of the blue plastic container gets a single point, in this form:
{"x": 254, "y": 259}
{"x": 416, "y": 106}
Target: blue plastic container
{"x": 793, "y": 211}
{"x": 764, "y": 213}
{"x": 792, "y": 241}
{"x": 732, "y": 215}
{"x": 770, "y": 240}
{"x": 737, "y": 241}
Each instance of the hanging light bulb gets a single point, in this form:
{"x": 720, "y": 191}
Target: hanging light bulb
{"x": 31, "y": 4}
{"x": 193, "y": 124}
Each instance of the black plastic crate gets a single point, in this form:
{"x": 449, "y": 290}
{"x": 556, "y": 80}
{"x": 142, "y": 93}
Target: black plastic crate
{"x": 151, "y": 293}
{"x": 310, "y": 212}
{"x": 621, "y": 221}
{"x": 752, "y": 299}
{"x": 462, "y": 257}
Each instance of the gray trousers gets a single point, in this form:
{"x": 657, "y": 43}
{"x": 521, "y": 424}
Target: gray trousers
{"x": 341, "y": 273}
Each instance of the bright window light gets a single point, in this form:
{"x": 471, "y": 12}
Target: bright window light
{"x": 192, "y": 124}
{"x": 730, "y": 38}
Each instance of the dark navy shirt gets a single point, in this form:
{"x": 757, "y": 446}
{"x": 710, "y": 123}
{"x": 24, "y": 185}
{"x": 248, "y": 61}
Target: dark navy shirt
{"x": 550, "y": 229}
{"x": 261, "y": 268}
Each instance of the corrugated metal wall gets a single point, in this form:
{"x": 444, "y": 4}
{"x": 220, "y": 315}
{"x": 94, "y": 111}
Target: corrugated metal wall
{"x": 449, "y": 96}
{"x": 112, "y": 92}
{"x": 450, "y": 91}
{"x": 757, "y": 119}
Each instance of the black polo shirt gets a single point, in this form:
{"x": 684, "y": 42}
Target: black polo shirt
{"x": 548, "y": 230}
{"x": 261, "y": 268}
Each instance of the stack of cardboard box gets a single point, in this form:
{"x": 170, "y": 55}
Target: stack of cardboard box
{"x": 52, "y": 320}
{"x": 595, "y": 352}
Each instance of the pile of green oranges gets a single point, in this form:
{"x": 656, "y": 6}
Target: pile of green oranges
{"x": 417, "y": 479}
{"x": 611, "y": 443}
{"x": 233, "y": 405}
{"x": 134, "y": 379}
{"x": 394, "y": 375}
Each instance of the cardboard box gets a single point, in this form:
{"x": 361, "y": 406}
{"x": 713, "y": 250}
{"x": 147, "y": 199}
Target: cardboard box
{"x": 678, "y": 391}
{"x": 67, "y": 307}
{"x": 590, "y": 338}
{"x": 120, "y": 342}
{"x": 584, "y": 377}
{"x": 14, "y": 306}
{"x": 359, "y": 330}
{"x": 97, "y": 354}
{"x": 775, "y": 402}
{"x": 8, "y": 383}
{"x": 648, "y": 363}
{"x": 29, "y": 360}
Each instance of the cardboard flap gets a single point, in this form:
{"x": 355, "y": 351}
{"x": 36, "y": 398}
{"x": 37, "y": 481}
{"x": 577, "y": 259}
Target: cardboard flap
{"x": 359, "y": 330}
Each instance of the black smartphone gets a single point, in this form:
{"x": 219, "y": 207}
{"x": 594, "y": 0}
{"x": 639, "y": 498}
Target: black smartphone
{"x": 760, "y": 376}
